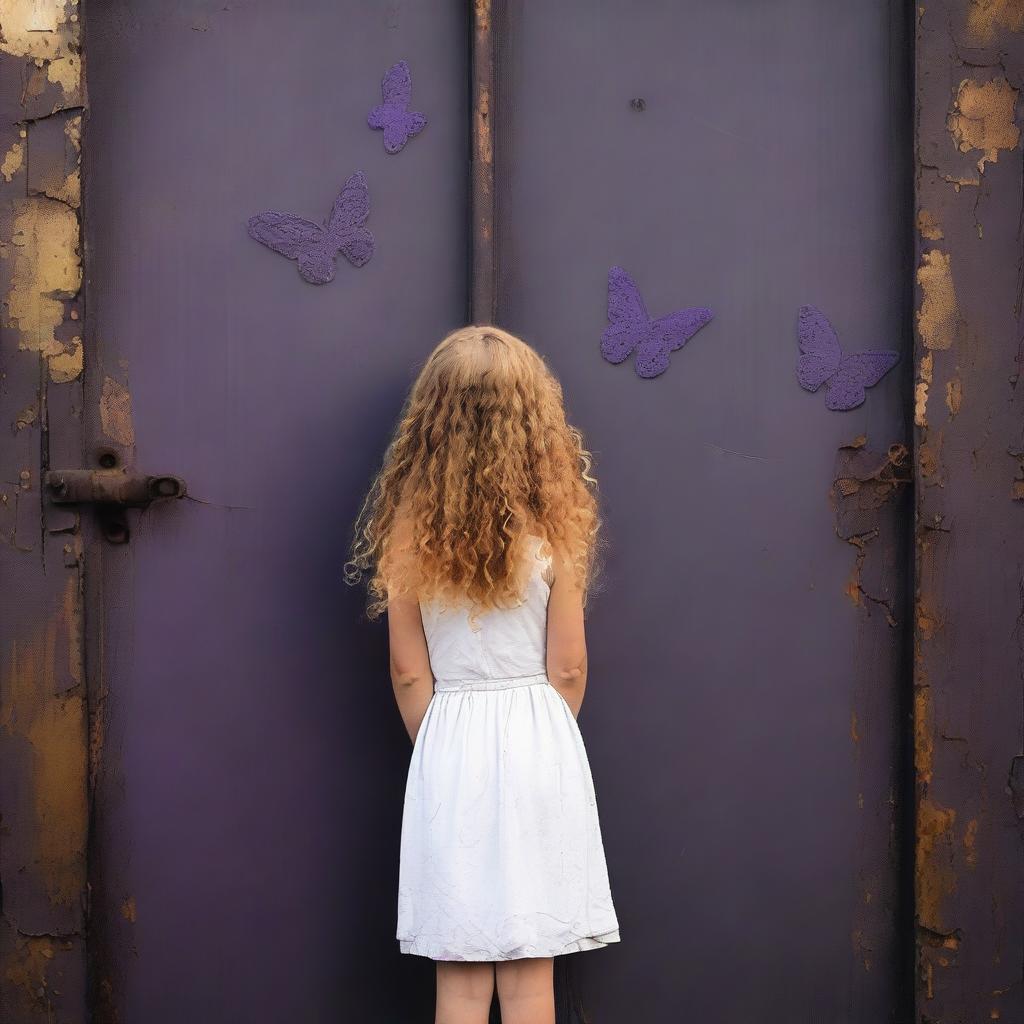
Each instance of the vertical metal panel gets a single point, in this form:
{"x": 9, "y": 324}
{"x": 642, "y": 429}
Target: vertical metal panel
{"x": 747, "y": 651}
{"x": 969, "y": 468}
{"x": 43, "y": 713}
{"x": 249, "y": 806}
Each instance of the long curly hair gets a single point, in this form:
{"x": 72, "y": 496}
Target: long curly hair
{"x": 482, "y": 458}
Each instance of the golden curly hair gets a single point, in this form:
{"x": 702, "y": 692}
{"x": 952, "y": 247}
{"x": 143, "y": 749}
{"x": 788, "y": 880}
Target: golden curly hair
{"x": 482, "y": 458}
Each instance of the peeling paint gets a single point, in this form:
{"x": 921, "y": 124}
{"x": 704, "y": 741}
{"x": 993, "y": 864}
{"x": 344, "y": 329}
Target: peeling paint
{"x": 924, "y": 380}
{"x": 47, "y": 272}
{"x": 41, "y": 29}
{"x": 983, "y": 118}
{"x": 13, "y": 159}
{"x": 864, "y": 482}
{"x": 934, "y": 873}
{"x": 928, "y": 226}
{"x": 51, "y": 724}
{"x": 116, "y": 412}
{"x": 938, "y": 315}
{"x": 985, "y": 18}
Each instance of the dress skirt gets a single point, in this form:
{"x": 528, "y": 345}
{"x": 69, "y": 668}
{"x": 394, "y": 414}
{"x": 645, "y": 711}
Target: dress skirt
{"x": 501, "y": 852}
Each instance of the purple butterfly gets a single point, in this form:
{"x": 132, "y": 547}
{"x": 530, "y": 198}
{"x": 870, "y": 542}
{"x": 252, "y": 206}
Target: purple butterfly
{"x": 393, "y": 114}
{"x": 630, "y": 327}
{"x": 316, "y": 246}
{"x": 822, "y": 362}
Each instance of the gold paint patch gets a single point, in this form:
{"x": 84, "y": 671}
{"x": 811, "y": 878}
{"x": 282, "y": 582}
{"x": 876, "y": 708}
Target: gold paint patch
{"x": 983, "y": 118}
{"x": 13, "y": 160}
{"x": 986, "y": 17}
{"x": 39, "y": 29}
{"x": 921, "y": 391}
{"x": 116, "y": 412}
{"x": 938, "y": 316}
{"x": 47, "y": 271}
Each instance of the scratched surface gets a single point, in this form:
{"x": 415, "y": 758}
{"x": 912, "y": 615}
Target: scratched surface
{"x": 248, "y": 811}
{"x": 747, "y": 653}
{"x": 43, "y": 711}
{"x": 969, "y": 471}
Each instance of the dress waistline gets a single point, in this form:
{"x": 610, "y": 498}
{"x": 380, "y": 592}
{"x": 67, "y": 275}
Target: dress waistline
{"x": 502, "y": 683}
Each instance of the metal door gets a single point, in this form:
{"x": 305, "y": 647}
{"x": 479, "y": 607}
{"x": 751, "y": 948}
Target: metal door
{"x": 248, "y": 810}
{"x": 747, "y": 653}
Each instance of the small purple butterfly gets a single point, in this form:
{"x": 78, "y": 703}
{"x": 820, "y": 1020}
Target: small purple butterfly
{"x": 393, "y": 115}
{"x": 316, "y": 246}
{"x": 630, "y": 327}
{"x": 822, "y": 362}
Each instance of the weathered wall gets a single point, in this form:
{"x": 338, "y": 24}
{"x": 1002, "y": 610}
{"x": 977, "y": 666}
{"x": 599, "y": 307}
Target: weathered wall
{"x": 969, "y": 476}
{"x": 43, "y": 727}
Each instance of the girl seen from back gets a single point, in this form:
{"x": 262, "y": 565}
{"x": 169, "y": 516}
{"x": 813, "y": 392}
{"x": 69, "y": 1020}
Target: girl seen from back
{"x": 479, "y": 539}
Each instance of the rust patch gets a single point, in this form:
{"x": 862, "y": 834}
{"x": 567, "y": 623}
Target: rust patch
{"x": 971, "y": 843}
{"x": 929, "y": 460}
{"x": 128, "y": 911}
{"x": 928, "y": 226}
{"x": 934, "y": 874}
{"x": 27, "y": 973}
{"x": 954, "y": 395}
{"x": 864, "y": 482}
{"x": 983, "y": 118}
{"x": 49, "y": 717}
{"x": 924, "y": 380}
{"x": 938, "y": 315}
{"x": 116, "y": 412}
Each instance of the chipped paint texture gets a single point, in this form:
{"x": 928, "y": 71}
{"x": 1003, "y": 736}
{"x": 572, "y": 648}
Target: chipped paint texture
{"x": 43, "y": 709}
{"x": 982, "y": 118}
{"x": 968, "y": 665}
{"x": 937, "y": 314}
{"x": 116, "y": 412}
{"x": 987, "y": 19}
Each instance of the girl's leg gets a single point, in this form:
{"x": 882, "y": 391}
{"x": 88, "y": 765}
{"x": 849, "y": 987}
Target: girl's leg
{"x": 464, "y": 992}
{"x": 526, "y": 990}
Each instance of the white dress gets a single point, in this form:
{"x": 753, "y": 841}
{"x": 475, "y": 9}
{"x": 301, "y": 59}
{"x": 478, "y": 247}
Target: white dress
{"x": 501, "y": 852}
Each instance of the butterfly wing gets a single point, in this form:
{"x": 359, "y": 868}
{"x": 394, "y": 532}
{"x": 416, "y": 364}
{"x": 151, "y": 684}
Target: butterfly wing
{"x": 628, "y": 321}
{"x": 846, "y": 388}
{"x": 380, "y": 116}
{"x": 285, "y": 233}
{"x": 820, "y": 353}
{"x": 298, "y": 239}
{"x": 667, "y": 334}
{"x": 348, "y": 215}
{"x": 396, "y": 88}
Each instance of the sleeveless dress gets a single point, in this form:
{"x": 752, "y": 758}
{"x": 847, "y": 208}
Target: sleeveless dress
{"x": 501, "y": 851}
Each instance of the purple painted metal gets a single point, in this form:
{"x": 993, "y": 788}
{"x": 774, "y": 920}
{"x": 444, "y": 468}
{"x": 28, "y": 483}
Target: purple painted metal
{"x": 747, "y": 664}
{"x": 248, "y": 807}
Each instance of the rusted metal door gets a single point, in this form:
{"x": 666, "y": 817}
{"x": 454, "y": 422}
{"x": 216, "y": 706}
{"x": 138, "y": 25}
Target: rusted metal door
{"x": 747, "y": 653}
{"x": 189, "y": 693}
{"x": 248, "y": 808}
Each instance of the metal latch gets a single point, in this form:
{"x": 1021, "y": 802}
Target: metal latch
{"x": 110, "y": 487}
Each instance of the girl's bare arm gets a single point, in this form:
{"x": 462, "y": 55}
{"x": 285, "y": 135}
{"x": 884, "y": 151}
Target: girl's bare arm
{"x": 411, "y": 676}
{"x": 566, "y": 644}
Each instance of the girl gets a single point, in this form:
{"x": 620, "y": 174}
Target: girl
{"x": 479, "y": 538}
